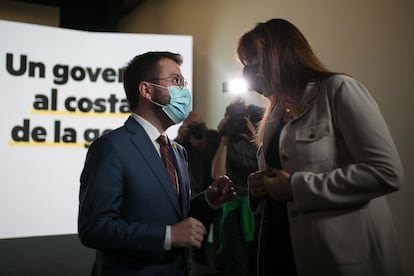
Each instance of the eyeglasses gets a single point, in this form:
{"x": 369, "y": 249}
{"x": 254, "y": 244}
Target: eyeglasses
{"x": 176, "y": 80}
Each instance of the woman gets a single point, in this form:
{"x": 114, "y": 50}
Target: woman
{"x": 326, "y": 162}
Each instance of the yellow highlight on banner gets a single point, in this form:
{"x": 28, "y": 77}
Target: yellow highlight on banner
{"x": 48, "y": 144}
{"x": 81, "y": 114}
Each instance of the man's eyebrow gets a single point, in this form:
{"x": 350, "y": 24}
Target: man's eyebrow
{"x": 175, "y": 75}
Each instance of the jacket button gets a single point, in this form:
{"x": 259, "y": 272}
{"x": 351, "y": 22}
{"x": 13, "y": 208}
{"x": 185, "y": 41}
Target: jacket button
{"x": 285, "y": 157}
{"x": 311, "y": 136}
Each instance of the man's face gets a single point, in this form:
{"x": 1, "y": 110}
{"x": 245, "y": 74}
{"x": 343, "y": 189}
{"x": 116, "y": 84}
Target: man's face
{"x": 170, "y": 74}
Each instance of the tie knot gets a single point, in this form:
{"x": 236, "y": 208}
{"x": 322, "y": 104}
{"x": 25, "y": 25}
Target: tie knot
{"x": 162, "y": 140}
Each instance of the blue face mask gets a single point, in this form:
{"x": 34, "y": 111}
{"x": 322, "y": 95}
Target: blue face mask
{"x": 180, "y": 103}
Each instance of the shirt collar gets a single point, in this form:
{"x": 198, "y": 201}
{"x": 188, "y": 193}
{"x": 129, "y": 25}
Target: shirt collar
{"x": 151, "y": 130}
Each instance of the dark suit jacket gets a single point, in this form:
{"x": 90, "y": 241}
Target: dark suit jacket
{"x": 126, "y": 201}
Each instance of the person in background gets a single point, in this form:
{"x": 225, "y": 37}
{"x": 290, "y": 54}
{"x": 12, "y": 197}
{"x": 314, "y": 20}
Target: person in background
{"x": 201, "y": 144}
{"x": 326, "y": 163}
{"x": 135, "y": 206}
{"x": 236, "y": 157}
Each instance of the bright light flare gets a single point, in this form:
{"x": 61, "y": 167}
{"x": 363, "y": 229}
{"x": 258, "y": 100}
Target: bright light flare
{"x": 236, "y": 86}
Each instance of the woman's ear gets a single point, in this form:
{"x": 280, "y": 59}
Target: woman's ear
{"x": 145, "y": 89}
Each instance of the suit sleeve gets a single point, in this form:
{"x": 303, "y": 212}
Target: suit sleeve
{"x": 199, "y": 207}
{"x": 201, "y": 210}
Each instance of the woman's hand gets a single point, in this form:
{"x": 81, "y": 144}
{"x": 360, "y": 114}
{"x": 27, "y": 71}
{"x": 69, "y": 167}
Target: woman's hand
{"x": 256, "y": 185}
{"x": 277, "y": 185}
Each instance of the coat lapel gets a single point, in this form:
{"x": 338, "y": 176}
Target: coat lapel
{"x": 275, "y": 118}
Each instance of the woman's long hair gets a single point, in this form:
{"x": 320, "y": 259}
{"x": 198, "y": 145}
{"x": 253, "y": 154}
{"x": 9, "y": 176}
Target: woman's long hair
{"x": 286, "y": 61}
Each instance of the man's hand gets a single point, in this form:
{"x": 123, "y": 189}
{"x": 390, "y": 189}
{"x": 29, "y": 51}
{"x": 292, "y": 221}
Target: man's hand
{"x": 251, "y": 130}
{"x": 220, "y": 191}
{"x": 222, "y": 124}
{"x": 188, "y": 232}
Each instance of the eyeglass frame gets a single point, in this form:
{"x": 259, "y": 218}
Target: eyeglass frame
{"x": 173, "y": 79}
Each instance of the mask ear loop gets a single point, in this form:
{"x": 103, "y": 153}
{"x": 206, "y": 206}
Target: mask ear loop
{"x": 160, "y": 86}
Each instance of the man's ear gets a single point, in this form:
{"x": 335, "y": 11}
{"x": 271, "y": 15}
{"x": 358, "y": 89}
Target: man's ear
{"x": 145, "y": 89}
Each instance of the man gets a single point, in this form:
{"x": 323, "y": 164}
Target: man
{"x": 139, "y": 220}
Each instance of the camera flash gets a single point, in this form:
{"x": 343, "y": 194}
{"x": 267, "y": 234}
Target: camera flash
{"x": 236, "y": 86}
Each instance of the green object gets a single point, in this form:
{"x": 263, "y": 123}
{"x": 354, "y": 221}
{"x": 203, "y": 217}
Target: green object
{"x": 246, "y": 219}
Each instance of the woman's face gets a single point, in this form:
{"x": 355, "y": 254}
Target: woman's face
{"x": 253, "y": 77}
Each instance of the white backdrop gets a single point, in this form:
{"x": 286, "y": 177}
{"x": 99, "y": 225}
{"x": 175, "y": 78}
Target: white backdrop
{"x": 59, "y": 90}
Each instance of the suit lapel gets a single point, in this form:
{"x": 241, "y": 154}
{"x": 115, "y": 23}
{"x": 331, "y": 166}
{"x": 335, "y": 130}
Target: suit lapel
{"x": 183, "y": 177}
{"x": 146, "y": 149}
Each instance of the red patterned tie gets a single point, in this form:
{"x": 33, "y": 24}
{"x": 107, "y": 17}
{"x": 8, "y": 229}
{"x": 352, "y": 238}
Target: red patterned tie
{"x": 168, "y": 161}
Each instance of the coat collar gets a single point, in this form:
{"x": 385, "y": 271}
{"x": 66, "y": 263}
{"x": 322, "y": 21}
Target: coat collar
{"x": 275, "y": 116}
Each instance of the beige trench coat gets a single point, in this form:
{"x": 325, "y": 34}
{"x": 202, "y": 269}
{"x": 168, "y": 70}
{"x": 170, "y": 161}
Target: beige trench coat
{"x": 343, "y": 162}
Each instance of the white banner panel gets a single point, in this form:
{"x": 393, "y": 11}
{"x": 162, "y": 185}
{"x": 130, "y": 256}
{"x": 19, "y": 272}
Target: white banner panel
{"x": 60, "y": 89}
